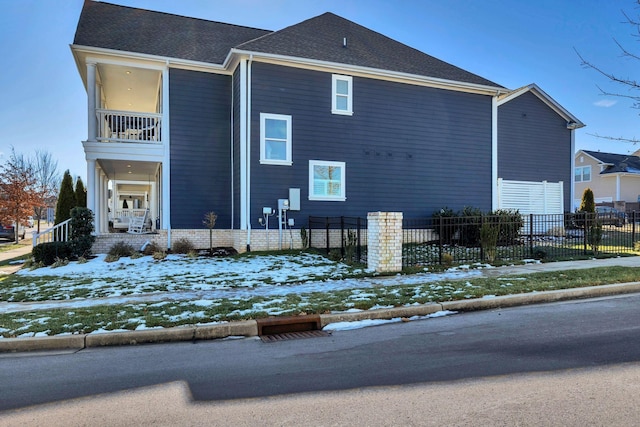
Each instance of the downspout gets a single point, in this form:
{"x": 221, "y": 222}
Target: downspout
{"x": 494, "y": 152}
{"x": 248, "y": 142}
{"x": 573, "y": 168}
{"x": 232, "y": 147}
{"x": 166, "y": 164}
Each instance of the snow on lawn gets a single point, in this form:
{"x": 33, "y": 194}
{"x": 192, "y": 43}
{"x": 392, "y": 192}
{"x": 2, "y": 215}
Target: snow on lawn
{"x": 182, "y": 278}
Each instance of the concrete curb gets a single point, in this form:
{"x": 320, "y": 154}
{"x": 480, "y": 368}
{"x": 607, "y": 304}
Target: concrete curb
{"x": 249, "y": 328}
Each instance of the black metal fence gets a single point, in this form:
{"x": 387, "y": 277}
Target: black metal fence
{"x": 340, "y": 236}
{"x": 510, "y": 237}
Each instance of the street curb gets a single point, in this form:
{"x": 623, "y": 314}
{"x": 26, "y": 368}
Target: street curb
{"x": 249, "y": 328}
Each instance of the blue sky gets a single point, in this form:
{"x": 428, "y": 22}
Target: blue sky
{"x": 511, "y": 42}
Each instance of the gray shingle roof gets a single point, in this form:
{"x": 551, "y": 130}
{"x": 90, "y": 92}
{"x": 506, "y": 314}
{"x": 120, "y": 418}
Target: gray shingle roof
{"x": 627, "y": 163}
{"x": 129, "y": 29}
{"x": 321, "y": 38}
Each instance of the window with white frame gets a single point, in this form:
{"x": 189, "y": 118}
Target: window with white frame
{"x": 342, "y": 94}
{"x": 327, "y": 180}
{"x": 582, "y": 174}
{"x": 275, "y": 139}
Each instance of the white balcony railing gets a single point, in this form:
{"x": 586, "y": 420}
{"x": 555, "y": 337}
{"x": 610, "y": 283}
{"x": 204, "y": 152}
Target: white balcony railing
{"x": 128, "y": 126}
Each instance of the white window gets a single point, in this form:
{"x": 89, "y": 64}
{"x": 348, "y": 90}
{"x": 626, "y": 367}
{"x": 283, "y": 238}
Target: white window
{"x": 275, "y": 139}
{"x": 342, "y": 95}
{"x": 583, "y": 174}
{"x": 327, "y": 180}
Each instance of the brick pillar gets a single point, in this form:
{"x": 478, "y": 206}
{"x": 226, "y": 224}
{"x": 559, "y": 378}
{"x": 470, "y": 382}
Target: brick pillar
{"x": 384, "y": 251}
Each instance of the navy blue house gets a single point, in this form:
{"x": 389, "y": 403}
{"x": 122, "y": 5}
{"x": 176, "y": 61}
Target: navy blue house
{"x": 187, "y": 116}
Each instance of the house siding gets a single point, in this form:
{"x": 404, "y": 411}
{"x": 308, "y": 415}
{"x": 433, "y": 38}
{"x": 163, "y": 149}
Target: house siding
{"x": 200, "y": 105}
{"x": 407, "y": 148}
{"x": 534, "y": 144}
{"x": 235, "y": 221}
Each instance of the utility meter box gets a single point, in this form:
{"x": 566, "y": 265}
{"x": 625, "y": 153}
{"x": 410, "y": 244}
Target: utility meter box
{"x": 283, "y": 204}
{"x": 294, "y": 199}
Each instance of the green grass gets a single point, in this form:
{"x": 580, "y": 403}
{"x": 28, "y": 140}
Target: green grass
{"x": 176, "y": 313}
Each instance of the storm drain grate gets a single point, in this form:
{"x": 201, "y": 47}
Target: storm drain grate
{"x": 284, "y": 336}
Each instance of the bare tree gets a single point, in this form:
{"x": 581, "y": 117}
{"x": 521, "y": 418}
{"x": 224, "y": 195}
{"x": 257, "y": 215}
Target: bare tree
{"x": 18, "y": 192}
{"x": 47, "y": 181}
{"x": 631, "y": 85}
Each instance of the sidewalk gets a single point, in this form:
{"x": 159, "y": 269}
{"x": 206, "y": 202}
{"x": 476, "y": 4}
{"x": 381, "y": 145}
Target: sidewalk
{"x": 17, "y": 251}
{"x": 249, "y": 327}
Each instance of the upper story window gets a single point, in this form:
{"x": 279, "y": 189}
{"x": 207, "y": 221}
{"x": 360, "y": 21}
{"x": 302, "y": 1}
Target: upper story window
{"x": 275, "y": 139}
{"x": 582, "y": 174}
{"x": 342, "y": 94}
{"x": 327, "y": 180}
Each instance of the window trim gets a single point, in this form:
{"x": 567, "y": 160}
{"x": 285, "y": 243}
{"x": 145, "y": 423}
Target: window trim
{"x": 334, "y": 94}
{"x": 581, "y": 169}
{"x": 288, "y": 141}
{"x": 343, "y": 184}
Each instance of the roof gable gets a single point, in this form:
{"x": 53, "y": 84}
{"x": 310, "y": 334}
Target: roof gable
{"x": 111, "y": 26}
{"x": 572, "y": 121}
{"x": 334, "y": 39}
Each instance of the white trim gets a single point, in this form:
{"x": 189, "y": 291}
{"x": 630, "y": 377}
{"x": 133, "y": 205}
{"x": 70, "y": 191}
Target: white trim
{"x": 572, "y": 189}
{"x": 343, "y": 184}
{"x": 334, "y": 94}
{"x": 248, "y": 152}
{"x": 494, "y": 154}
{"x": 243, "y": 145}
{"x": 165, "y": 218}
{"x": 263, "y": 139}
{"x": 388, "y": 75}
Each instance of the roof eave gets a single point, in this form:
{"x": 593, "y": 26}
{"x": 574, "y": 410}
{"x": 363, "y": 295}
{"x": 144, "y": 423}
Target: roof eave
{"x": 372, "y": 72}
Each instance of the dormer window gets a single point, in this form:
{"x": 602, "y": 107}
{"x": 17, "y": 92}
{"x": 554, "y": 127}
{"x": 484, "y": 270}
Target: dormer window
{"x": 342, "y": 95}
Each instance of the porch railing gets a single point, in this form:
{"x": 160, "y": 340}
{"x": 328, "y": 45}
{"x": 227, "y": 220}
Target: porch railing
{"x": 57, "y": 233}
{"x": 128, "y": 126}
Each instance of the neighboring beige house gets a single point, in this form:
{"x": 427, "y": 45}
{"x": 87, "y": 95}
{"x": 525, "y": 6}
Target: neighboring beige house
{"x": 613, "y": 178}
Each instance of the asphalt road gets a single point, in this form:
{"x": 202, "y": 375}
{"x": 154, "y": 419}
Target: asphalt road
{"x": 553, "y": 340}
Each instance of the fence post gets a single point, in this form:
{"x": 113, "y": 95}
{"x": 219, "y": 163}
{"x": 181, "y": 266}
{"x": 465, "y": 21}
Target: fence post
{"x": 530, "y": 235}
{"x": 440, "y": 233}
{"x": 384, "y": 241}
{"x": 358, "y": 248}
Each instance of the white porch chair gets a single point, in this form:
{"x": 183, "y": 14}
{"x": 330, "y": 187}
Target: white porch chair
{"x": 137, "y": 224}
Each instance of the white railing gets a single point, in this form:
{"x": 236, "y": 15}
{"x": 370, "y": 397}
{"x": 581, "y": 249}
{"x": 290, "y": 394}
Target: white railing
{"x": 128, "y": 126}
{"x": 57, "y": 233}
{"x": 126, "y": 213}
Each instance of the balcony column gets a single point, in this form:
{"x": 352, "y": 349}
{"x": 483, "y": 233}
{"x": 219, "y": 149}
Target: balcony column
{"x": 92, "y": 189}
{"x": 91, "y": 102}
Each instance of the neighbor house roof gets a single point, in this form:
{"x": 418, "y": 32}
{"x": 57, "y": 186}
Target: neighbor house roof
{"x": 322, "y": 38}
{"x": 616, "y": 163}
{"x": 128, "y": 29}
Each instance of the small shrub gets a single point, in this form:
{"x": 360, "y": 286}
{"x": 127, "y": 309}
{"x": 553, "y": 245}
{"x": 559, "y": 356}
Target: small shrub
{"x": 159, "y": 255}
{"x": 121, "y": 249}
{"x": 447, "y": 260}
{"x": 304, "y": 237}
{"x": 82, "y": 260}
{"x": 594, "y": 236}
{"x": 445, "y": 220}
{"x": 182, "y": 246}
{"x": 193, "y": 253}
{"x": 111, "y": 258}
{"x": 150, "y": 248}
{"x": 489, "y": 240}
{"x": 136, "y": 255}
{"x": 335, "y": 255}
{"x": 47, "y": 253}
{"x": 81, "y": 237}
{"x": 59, "y": 262}
{"x": 539, "y": 253}
{"x": 470, "y": 228}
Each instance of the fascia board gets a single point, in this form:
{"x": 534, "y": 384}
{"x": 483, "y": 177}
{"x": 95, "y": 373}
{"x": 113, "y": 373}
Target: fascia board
{"x": 142, "y": 57}
{"x": 372, "y": 73}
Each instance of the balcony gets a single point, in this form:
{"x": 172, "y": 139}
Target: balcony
{"x": 128, "y": 126}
